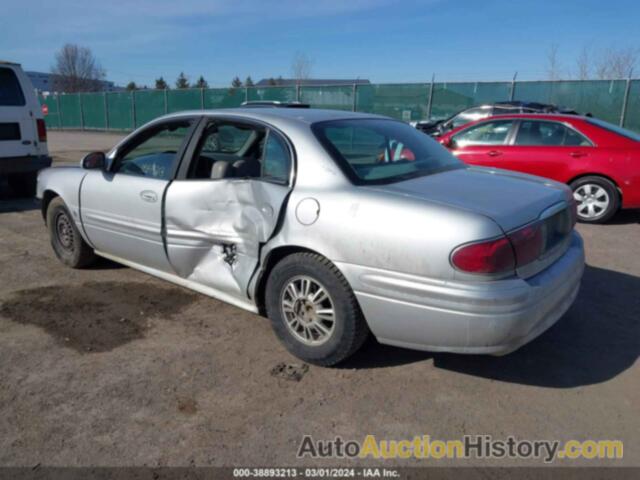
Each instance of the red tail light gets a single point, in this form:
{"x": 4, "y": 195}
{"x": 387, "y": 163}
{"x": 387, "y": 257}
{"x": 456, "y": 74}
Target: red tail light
{"x": 528, "y": 243}
{"x": 42, "y": 130}
{"x": 492, "y": 256}
{"x": 503, "y": 254}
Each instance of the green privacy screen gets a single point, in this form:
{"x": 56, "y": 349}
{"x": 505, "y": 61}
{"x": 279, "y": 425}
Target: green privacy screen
{"x": 94, "y": 111}
{"x": 70, "y": 113}
{"x": 181, "y": 100}
{"x": 149, "y": 104}
{"x": 602, "y": 98}
{"x": 402, "y": 101}
{"x": 52, "y": 119}
{"x": 120, "y": 111}
{"x": 632, "y": 117}
{"x": 334, "y": 97}
{"x": 124, "y": 111}
{"x": 279, "y": 94}
{"x": 450, "y": 98}
{"x": 223, "y": 97}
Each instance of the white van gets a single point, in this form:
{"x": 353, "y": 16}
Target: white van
{"x": 23, "y": 135}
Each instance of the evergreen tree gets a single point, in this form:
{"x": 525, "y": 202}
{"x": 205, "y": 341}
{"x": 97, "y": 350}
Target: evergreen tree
{"x": 181, "y": 81}
{"x": 131, "y": 86}
{"x": 236, "y": 82}
{"x": 248, "y": 82}
{"x": 161, "y": 84}
{"x": 201, "y": 83}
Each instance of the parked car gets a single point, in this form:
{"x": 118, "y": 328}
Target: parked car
{"x": 437, "y": 128}
{"x": 598, "y": 160}
{"x": 333, "y": 224}
{"x": 23, "y": 135}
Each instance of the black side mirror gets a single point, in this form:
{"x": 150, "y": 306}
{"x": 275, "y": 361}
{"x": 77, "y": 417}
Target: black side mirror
{"x": 94, "y": 161}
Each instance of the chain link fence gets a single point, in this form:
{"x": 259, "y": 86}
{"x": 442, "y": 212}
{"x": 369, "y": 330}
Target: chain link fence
{"x": 616, "y": 101}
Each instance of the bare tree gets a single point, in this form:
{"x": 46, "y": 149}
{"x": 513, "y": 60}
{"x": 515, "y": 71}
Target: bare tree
{"x": 76, "y": 70}
{"x": 583, "y": 64}
{"x": 616, "y": 63}
{"x": 301, "y": 67}
{"x": 553, "y": 64}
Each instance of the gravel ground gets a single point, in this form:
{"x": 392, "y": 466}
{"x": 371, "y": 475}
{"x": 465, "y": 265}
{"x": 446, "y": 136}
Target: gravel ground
{"x": 109, "y": 366}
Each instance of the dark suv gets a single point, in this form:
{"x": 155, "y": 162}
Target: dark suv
{"x": 436, "y": 128}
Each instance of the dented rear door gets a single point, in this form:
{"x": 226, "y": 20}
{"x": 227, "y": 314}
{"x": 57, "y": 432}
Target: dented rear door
{"x": 215, "y": 228}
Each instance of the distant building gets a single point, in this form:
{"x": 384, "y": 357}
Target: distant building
{"x": 314, "y": 82}
{"x": 43, "y": 82}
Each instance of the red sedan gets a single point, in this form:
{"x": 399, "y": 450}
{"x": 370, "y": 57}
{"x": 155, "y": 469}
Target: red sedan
{"x": 600, "y": 161}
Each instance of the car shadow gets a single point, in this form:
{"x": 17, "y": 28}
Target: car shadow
{"x": 11, "y": 201}
{"x": 625, "y": 217}
{"x": 17, "y": 204}
{"x": 596, "y": 340}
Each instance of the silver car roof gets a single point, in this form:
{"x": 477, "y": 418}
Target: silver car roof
{"x": 289, "y": 115}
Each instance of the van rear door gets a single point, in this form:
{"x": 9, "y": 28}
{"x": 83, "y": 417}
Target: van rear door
{"x": 17, "y": 122}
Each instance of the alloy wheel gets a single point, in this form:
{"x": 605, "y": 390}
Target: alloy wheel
{"x": 308, "y": 310}
{"x": 593, "y": 200}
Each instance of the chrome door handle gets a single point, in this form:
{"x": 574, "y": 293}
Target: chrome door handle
{"x": 494, "y": 153}
{"x": 578, "y": 154}
{"x": 149, "y": 196}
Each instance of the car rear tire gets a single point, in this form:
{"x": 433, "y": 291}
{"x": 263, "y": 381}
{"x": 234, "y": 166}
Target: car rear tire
{"x": 313, "y": 310}
{"x": 23, "y": 184}
{"x": 67, "y": 243}
{"x": 597, "y": 198}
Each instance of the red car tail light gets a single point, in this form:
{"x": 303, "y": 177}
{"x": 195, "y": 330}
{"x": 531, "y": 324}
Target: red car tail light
{"x": 492, "y": 256}
{"x": 528, "y": 243}
{"x": 42, "y": 130}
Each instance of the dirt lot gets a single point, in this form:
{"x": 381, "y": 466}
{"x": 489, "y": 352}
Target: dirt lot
{"x": 109, "y": 366}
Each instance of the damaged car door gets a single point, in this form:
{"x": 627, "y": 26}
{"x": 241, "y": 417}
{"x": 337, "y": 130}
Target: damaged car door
{"x": 224, "y": 205}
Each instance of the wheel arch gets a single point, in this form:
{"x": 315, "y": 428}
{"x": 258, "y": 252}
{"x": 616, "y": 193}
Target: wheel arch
{"x": 273, "y": 257}
{"x": 47, "y": 197}
{"x": 607, "y": 177}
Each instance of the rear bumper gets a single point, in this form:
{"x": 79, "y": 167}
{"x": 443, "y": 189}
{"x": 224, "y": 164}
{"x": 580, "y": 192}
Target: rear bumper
{"x": 484, "y": 317}
{"x": 28, "y": 164}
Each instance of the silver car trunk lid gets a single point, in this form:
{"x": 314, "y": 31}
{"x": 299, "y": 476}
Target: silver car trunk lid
{"x": 510, "y": 199}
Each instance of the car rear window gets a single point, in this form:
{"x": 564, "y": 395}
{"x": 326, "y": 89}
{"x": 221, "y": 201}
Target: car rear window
{"x": 614, "y": 129}
{"x": 10, "y": 92}
{"x": 372, "y": 151}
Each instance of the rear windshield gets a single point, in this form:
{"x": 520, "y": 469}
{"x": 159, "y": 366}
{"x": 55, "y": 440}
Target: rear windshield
{"x": 10, "y": 92}
{"x": 615, "y": 129}
{"x": 372, "y": 151}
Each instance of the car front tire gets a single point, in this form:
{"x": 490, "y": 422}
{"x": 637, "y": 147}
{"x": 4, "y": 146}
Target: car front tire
{"x": 597, "y": 199}
{"x": 67, "y": 243}
{"x": 313, "y": 310}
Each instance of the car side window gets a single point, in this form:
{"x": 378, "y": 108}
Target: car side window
{"x": 155, "y": 153}
{"x": 229, "y": 150}
{"x": 488, "y": 133}
{"x": 276, "y": 162}
{"x": 548, "y": 134}
{"x": 226, "y": 139}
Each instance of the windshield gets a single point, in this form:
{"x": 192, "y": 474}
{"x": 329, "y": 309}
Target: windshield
{"x": 373, "y": 151}
{"x": 615, "y": 129}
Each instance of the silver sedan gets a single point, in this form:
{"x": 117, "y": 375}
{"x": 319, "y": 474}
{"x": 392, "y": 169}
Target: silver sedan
{"x": 335, "y": 225}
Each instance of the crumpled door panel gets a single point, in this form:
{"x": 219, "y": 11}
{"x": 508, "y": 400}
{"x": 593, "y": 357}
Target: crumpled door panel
{"x": 214, "y": 229}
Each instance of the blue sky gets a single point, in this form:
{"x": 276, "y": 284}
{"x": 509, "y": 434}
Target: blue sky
{"x": 382, "y": 40}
